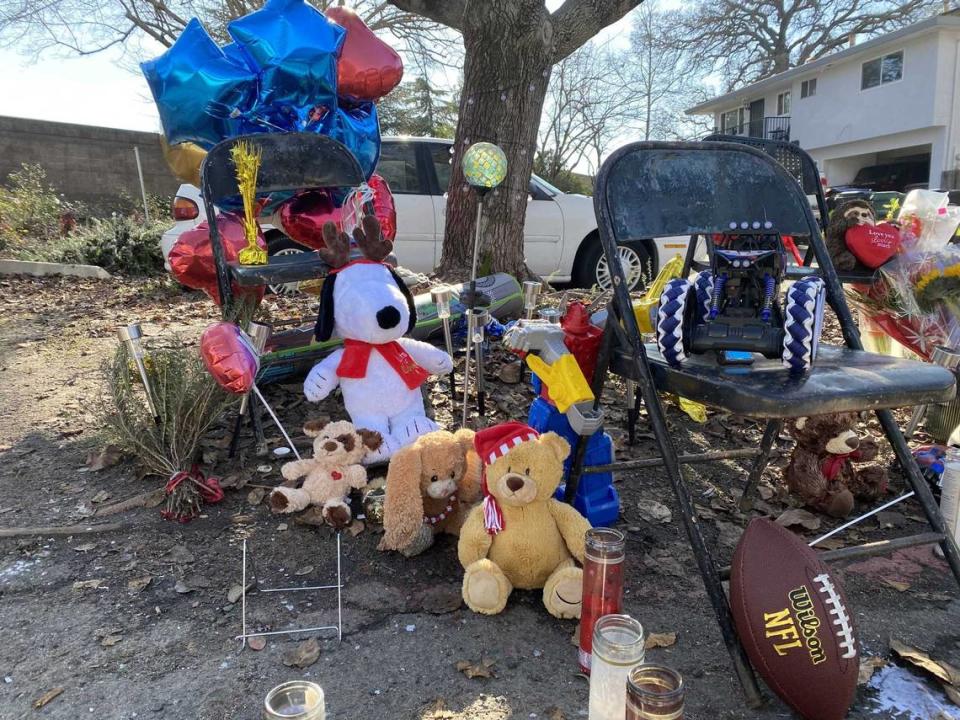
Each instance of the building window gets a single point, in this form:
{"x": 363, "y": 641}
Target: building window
{"x": 783, "y": 103}
{"x": 808, "y": 88}
{"x": 883, "y": 70}
{"x": 731, "y": 121}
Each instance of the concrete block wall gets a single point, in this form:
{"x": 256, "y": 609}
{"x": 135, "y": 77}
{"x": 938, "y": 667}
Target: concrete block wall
{"x": 91, "y": 164}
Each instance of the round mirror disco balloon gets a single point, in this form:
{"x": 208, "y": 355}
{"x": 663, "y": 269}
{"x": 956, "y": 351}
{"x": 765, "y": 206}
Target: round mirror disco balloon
{"x": 191, "y": 79}
{"x": 295, "y": 47}
{"x": 484, "y": 165}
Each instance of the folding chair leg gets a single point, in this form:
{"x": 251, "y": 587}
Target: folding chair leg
{"x": 920, "y": 487}
{"x": 770, "y": 434}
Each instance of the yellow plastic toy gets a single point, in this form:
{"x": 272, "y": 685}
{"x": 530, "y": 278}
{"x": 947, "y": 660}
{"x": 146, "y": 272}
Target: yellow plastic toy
{"x": 645, "y": 308}
{"x": 565, "y": 382}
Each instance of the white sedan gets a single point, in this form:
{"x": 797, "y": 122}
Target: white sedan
{"x": 561, "y": 242}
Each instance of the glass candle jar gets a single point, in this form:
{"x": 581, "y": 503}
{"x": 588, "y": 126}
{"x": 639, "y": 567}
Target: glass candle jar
{"x": 617, "y": 649}
{"x": 295, "y": 700}
{"x": 602, "y": 584}
{"x": 654, "y": 692}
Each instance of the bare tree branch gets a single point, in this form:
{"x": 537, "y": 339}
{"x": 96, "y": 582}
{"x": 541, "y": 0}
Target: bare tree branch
{"x": 445, "y": 12}
{"x": 576, "y": 21}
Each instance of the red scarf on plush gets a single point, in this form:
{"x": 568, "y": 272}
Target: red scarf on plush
{"x": 832, "y": 465}
{"x": 356, "y": 355}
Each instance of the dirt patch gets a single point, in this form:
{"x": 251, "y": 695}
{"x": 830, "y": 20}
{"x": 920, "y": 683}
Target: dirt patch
{"x": 139, "y": 622}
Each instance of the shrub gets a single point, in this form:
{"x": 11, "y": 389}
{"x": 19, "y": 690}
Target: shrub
{"x": 118, "y": 244}
{"x": 31, "y": 211}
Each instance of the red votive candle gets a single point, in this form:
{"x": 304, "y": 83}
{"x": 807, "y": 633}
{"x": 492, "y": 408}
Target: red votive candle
{"x": 602, "y": 584}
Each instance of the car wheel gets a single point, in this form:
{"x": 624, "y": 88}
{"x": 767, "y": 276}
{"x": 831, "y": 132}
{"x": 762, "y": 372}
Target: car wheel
{"x": 279, "y": 244}
{"x": 595, "y": 270}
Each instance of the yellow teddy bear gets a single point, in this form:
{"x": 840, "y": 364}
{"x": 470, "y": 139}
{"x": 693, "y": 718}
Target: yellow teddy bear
{"x": 521, "y": 537}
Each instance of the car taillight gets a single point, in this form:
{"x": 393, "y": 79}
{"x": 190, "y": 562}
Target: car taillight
{"x": 185, "y": 209}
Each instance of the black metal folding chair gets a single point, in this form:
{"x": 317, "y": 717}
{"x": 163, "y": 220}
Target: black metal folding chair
{"x": 698, "y": 189}
{"x": 289, "y": 161}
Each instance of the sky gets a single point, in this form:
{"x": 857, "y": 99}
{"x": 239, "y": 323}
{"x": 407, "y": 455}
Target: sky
{"x": 102, "y": 89}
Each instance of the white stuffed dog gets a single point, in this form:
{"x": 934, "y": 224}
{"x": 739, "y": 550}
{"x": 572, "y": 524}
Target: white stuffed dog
{"x": 378, "y": 370}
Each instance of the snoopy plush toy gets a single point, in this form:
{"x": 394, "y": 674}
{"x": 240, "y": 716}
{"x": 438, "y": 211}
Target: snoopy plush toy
{"x": 378, "y": 370}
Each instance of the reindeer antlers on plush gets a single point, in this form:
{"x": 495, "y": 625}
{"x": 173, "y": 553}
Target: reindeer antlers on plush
{"x": 369, "y": 239}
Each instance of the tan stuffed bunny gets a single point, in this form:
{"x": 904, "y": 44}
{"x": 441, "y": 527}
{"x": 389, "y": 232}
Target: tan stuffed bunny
{"x": 431, "y": 485}
{"x": 329, "y": 475}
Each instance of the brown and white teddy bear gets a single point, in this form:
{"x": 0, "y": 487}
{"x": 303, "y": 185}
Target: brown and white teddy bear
{"x": 822, "y": 471}
{"x": 431, "y": 485}
{"x": 329, "y": 475}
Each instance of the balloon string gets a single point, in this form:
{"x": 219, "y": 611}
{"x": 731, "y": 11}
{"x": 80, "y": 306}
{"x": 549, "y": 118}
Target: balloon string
{"x": 276, "y": 421}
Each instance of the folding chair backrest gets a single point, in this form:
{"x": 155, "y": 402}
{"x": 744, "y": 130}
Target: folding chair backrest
{"x": 657, "y": 189}
{"x": 794, "y": 160}
{"x": 290, "y": 161}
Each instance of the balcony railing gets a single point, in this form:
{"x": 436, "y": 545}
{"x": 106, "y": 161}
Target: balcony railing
{"x": 771, "y": 128}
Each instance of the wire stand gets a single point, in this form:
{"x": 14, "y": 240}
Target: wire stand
{"x": 244, "y": 635}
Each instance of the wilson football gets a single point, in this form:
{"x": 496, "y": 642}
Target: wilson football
{"x": 792, "y": 618}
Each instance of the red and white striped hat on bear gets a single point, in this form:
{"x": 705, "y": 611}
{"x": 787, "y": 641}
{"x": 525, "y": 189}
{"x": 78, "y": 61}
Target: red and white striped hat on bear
{"x": 490, "y": 444}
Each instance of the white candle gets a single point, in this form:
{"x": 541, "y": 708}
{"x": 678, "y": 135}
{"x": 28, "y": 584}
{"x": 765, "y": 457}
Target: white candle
{"x": 617, "y": 649}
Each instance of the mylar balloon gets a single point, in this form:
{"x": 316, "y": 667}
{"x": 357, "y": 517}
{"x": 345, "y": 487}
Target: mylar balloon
{"x": 303, "y": 217}
{"x": 368, "y": 68}
{"x": 484, "y": 165}
{"x": 191, "y": 258}
{"x": 296, "y": 48}
{"x": 192, "y": 78}
{"x": 383, "y": 207}
{"x": 184, "y": 160}
{"x": 358, "y": 129}
{"x": 230, "y": 357}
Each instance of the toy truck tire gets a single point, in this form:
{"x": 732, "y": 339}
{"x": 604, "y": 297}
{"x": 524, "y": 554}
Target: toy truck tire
{"x": 703, "y": 284}
{"x": 803, "y": 322}
{"x": 670, "y": 318}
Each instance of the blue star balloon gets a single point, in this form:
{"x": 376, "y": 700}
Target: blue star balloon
{"x": 358, "y": 128}
{"x": 236, "y": 53}
{"x": 295, "y": 47}
{"x": 198, "y": 89}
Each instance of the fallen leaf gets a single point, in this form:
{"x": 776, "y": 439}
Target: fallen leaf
{"x": 312, "y": 516}
{"x": 101, "y": 497}
{"x": 766, "y": 492}
{"x": 356, "y": 527}
{"x": 476, "y": 670}
{"x": 110, "y": 455}
{"x": 442, "y": 599}
{"x": 139, "y": 584}
{"x": 555, "y": 713}
{"x": 255, "y": 496}
{"x": 111, "y": 640}
{"x": 305, "y": 570}
{"x": 86, "y": 547}
{"x": 944, "y": 671}
{"x": 230, "y": 481}
{"x": 952, "y": 693}
{"x": 236, "y": 591}
{"x": 799, "y": 516}
{"x": 868, "y": 666}
{"x": 180, "y": 554}
{"x": 303, "y": 655}
{"x": 104, "y": 632}
{"x": 896, "y": 584}
{"x": 182, "y": 588}
{"x": 257, "y": 642}
{"x": 660, "y": 640}
{"x": 46, "y": 697}
{"x": 654, "y": 512}
{"x": 87, "y": 584}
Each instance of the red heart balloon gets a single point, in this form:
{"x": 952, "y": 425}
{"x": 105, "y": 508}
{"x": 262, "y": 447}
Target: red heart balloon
{"x": 303, "y": 216}
{"x": 873, "y": 245}
{"x": 383, "y": 207}
{"x": 191, "y": 258}
{"x": 229, "y": 357}
{"x": 367, "y": 68}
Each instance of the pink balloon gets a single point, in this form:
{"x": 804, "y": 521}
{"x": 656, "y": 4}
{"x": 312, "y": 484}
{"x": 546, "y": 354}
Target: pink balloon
{"x": 229, "y": 357}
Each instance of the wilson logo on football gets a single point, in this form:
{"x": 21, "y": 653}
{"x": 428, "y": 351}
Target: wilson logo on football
{"x": 796, "y": 626}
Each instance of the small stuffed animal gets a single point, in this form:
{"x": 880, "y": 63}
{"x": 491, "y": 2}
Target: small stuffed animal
{"x": 821, "y": 470}
{"x": 333, "y": 470}
{"x": 378, "y": 370}
{"x": 846, "y": 216}
{"x": 521, "y": 537}
{"x": 431, "y": 485}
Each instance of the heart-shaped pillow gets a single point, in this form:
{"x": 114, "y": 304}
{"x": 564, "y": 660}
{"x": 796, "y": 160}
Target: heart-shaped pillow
{"x": 873, "y": 245}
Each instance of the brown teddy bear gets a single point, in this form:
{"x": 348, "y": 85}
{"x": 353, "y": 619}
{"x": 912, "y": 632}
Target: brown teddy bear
{"x": 846, "y": 216}
{"x": 521, "y": 537}
{"x": 334, "y": 468}
{"x": 431, "y": 485}
{"x": 821, "y": 470}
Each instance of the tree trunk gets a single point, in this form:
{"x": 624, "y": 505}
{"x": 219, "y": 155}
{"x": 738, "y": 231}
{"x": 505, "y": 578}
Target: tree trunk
{"x": 501, "y": 40}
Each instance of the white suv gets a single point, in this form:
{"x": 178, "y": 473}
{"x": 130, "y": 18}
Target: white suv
{"x": 561, "y": 242}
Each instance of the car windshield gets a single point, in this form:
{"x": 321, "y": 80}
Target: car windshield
{"x": 545, "y": 185}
